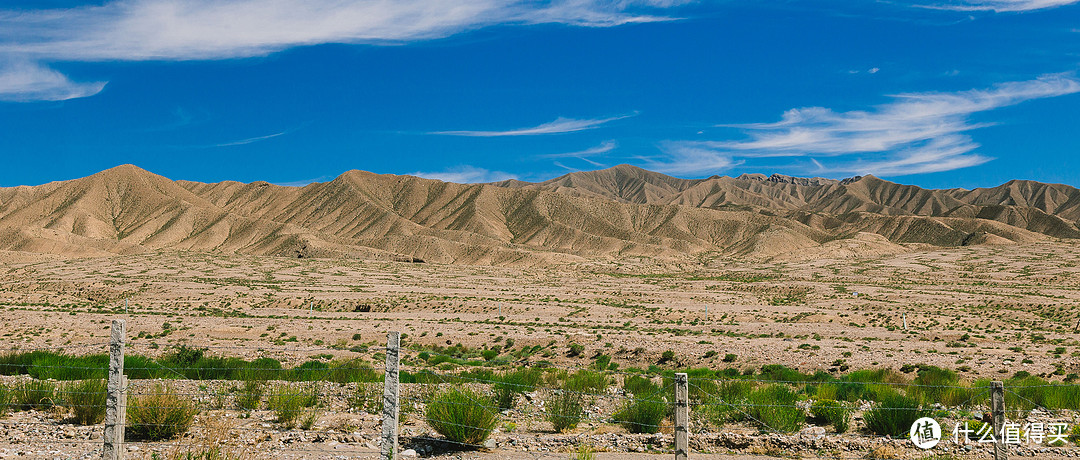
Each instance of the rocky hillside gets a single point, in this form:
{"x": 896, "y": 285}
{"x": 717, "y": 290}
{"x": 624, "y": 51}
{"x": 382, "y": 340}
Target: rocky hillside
{"x": 617, "y": 212}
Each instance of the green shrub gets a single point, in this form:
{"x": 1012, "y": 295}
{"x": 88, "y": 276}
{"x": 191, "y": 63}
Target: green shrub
{"x": 564, "y": 410}
{"x": 288, "y": 403}
{"x": 575, "y": 350}
{"x": 894, "y": 415}
{"x": 34, "y": 394}
{"x": 158, "y": 415}
{"x": 640, "y": 386}
{"x": 831, "y": 412}
{"x": 249, "y": 396}
{"x": 643, "y": 413}
{"x": 87, "y": 400}
{"x": 586, "y": 381}
{"x": 734, "y": 390}
{"x": 183, "y": 356}
{"x": 773, "y": 407}
{"x": 65, "y": 367}
{"x": 460, "y": 416}
{"x": 942, "y": 386}
{"x": 1026, "y": 392}
{"x": 702, "y": 386}
{"x": 782, "y": 373}
{"x": 261, "y": 369}
{"x": 511, "y": 384}
{"x": 642, "y": 416}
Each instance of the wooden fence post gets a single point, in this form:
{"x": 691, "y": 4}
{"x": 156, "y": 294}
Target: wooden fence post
{"x": 682, "y": 416}
{"x": 997, "y": 412}
{"x": 115, "y": 401}
{"x": 390, "y": 397}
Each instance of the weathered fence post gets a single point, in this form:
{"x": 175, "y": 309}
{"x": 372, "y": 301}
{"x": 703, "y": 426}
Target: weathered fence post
{"x": 682, "y": 416}
{"x": 997, "y": 412}
{"x": 390, "y": 397}
{"x": 115, "y": 404}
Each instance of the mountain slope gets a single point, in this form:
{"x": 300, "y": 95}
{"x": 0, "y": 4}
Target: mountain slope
{"x": 1047, "y": 209}
{"x": 617, "y": 212}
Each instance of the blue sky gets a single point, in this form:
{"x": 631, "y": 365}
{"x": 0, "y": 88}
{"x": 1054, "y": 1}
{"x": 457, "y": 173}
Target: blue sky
{"x": 936, "y": 93}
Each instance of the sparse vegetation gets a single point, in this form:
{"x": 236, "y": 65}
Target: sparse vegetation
{"x": 460, "y": 416}
{"x": 87, "y": 401}
{"x": 564, "y": 410}
{"x": 158, "y": 414}
{"x": 893, "y": 415}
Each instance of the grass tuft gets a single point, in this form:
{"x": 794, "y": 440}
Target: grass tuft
{"x": 460, "y": 416}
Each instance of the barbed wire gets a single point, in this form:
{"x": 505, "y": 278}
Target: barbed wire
{"x": 327, "y": 393}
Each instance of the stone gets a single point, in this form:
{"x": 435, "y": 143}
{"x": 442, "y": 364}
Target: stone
{"x": 813, "y": 432}
{"x": 409, "y": 453}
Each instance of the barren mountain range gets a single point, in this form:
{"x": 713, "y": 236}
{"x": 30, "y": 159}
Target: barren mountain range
{"x": 622, "y": 211}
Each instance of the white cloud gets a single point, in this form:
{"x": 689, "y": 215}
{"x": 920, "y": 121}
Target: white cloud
{"x": 465, "y": 175}
{"x": 915, "y": 133}
{"x": 29, "y": 81}
{"x": 685, "y": 158}
{"x": 139, "y": 30}
{"x": 250, "y": 140}
{"x": 215, "y": 29}
{"x": 559, "y": 126}
{"x": 1001, "y": 6}
{"x": 584, "y": 155}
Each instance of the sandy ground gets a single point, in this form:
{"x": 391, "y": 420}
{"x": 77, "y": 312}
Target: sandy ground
{"x": 988, "y": 311}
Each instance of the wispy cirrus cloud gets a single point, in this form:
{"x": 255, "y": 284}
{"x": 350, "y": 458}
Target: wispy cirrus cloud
{"x": 175, "y": 30}
{"x": 1001, "y": 6}
{"x": 915, "y": 133}
{"x": 559, "y": 126}
{"x": 22, "y": 80}
{"x": 690, "y": 158}
{"x": 465, "y": 175}
{"x": 585, "y": 155}
{"x": 250, "y": 140}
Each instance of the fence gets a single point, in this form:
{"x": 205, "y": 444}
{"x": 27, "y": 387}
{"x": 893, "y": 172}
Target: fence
{"x": 423, "y": 402}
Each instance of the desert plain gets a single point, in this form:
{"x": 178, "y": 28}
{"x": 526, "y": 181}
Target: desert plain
{"x": 983, "y": 311}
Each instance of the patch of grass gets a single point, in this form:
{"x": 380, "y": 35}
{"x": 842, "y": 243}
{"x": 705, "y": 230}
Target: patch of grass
{"x": 942, "y": 386}
{"x": 34, "y": 395}
{"x": 511, "y": 384}
{"x": 249, "y": 396}
{"x": 86, "y": 400}
{"x": 831, "y": 412}
{"x": 288, "y": 402}
{"x": 646, "y": 410}
{"x": 893, "y": 415}
{"x": 459, "y": 415}
{"x": 158, "y": 415}
{"x": 587, "y": 381}
{"x": 773, "y": 407}
{"x": 564, "y": 410}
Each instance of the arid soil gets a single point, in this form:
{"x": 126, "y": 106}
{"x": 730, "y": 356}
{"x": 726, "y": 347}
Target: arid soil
{"x": 986, "y": 311}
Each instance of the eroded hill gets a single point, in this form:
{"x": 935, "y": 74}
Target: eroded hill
{"x": 618, "y": 212}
